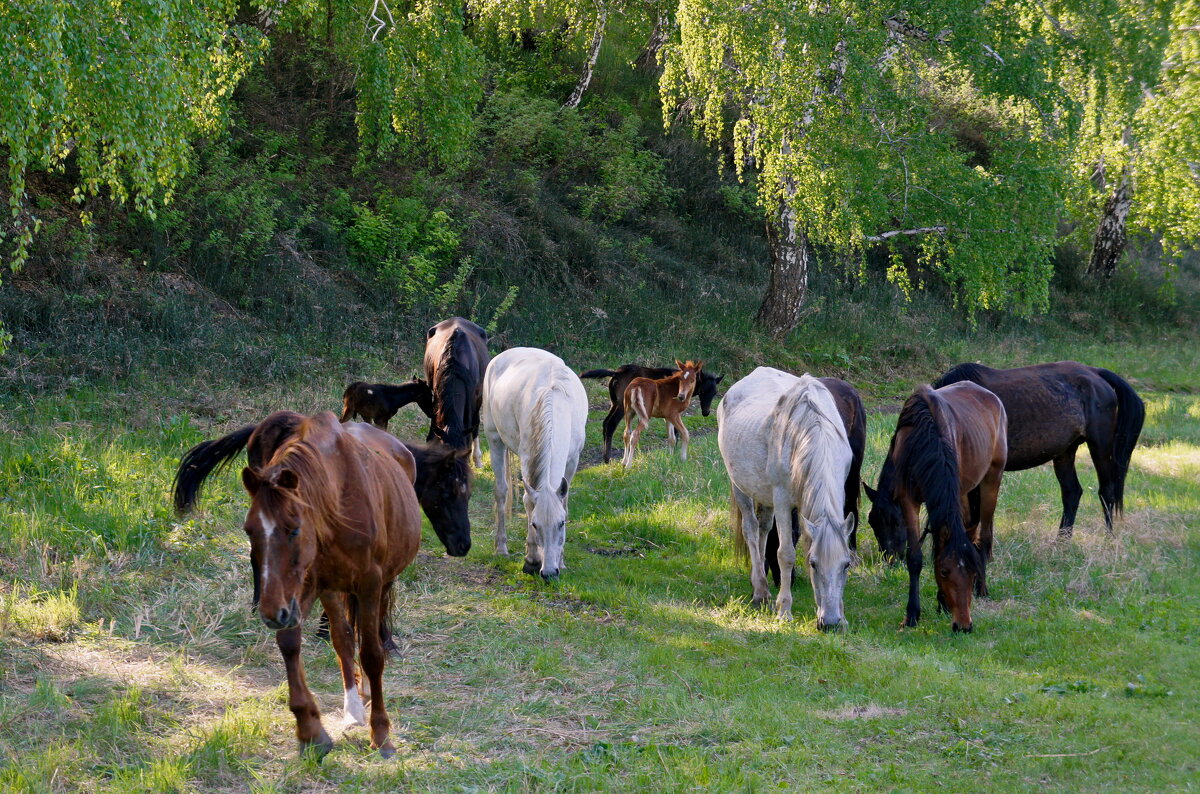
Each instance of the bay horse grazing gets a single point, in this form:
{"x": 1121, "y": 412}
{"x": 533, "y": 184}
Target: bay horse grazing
{"x": 456, "y": 357}
{"x": 377, "y": 403}
{"x": 534, "y": 405}
{"x": 1052, "y": 410}
{"x": 947, "y": 453}
{"x": 854, "y": 419}
{"x": 706, "y": 392}
{"x": 442, "y": 479}
{"x": 332, "y": 518}
{"x": 785, "y": 448}
{"x": 666, "y": 398}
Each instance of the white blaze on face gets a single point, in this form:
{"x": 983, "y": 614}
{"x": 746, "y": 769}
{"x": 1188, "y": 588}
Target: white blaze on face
{"x": 268, "y": 529}
{"x": 352, "y": 705}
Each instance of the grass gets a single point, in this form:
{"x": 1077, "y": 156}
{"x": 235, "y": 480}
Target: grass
{"x": 131, "y": 662}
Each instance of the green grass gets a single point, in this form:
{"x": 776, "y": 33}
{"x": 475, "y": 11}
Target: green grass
{"x": 643, "y": 668}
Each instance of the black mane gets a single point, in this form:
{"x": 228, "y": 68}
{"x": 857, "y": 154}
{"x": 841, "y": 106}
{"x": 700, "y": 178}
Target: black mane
{"x": 961, "y": 372}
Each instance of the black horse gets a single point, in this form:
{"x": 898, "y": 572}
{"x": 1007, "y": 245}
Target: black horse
{"x": 854, "y": 417}
{"x": 706, "y": 391}
{"x": 377, "y": 403}
{"x": 443, "y": 476}
{"x": 1052, "y": 410}
{"x": 456, "y": 356}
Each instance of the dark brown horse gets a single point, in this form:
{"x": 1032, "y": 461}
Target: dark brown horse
{"x": 947, "y": 453}
{"x": 1052, "y": 410}
{"x": 442, "y": 479}
{"x": 706, "y": 391}
{"x": 665, "y": 398}
{"x": 377, "y": 403}
{"x": 332, "y": 516}
{"x": 854, "y": 417}
{"x": 456, "y": 356}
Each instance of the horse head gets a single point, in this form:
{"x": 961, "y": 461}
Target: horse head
{"x": 689, "y": 374}
{"x": 958, "y": 571}
{"x": 444, "y": 489}
{"x": 706, "y": 391}
{"x": 887, "y": 522}
{"x": 547, "y": 511}
{"x": 282, "y": 548}
{"x": 829, "y": 559}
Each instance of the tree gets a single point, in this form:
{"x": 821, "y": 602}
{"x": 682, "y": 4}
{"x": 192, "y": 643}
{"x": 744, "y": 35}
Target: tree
{"x": 859, "y": 126}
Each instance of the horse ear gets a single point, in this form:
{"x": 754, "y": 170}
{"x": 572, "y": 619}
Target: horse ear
{"x": 432, "y": 330}
{"x": 678, "y": 365}
{"x": 250, "y": 480}
{"x": 699, "y": 365}
{"x": 848, "y": 526}
{"x": 871, "y": 492}
{"x": 285, "y": 479}
{"x": 562, "y": 489}
{"x": 720, "y": 378}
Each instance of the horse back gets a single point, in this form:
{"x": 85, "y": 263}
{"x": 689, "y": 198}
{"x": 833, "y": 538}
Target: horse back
{"x": 976, "y": 422}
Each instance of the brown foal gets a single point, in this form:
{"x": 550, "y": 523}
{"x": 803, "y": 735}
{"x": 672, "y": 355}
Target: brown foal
{"x": 666, "y": 398}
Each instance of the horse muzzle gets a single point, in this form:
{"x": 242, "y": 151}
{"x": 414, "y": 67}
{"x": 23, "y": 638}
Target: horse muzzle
{"x": 959, "y": 629}
{"x": 288, "y": 617}
{"x": 839, "y": 625}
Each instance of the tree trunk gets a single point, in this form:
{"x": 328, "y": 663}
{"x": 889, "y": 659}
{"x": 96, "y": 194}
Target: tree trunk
{"x": 788, "y": 289}
{"x": 1109, "y": 242}
{"x": 586, "y": 78}
{"x": 648, "y": 60}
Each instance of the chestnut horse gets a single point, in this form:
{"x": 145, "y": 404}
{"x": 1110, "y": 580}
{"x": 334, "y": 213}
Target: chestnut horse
{"x": 666, "y": 398}
{"x": 456, "y": 357}
{"x": 332, "y": 514}
{"x": 706, "y": 392}
{"x": 948, "y": 452}
{"x": 1052, "y": 410}
{"x": 377, "y": 403}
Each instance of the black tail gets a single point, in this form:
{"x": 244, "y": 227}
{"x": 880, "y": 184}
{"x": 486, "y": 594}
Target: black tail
{"x": 1131, "y": 414}
{"x": 598, "y": 373}
{"x": 204, "y": 459}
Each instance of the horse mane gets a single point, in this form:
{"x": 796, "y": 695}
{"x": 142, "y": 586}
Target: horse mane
{"x": 961, "y": 372}
{"x": 928, "y": 463}
{"x": 541, "y": 433}
{"x": 815, "y": 435}
{"x": 451, "y": 368}
{"x": 432, "y": 457}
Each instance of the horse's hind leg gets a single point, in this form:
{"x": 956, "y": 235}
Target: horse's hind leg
{"x": 989, "y": 494}
{"x": 611, "y": 422}
{"x": 341, "y": 634}
{"x": 633, "y": 434}
{"x": 1068, "y": 483}
{"x": 755, "y": 537}
{"x": 1106, "y": 475}
{"x": 503, "y": 492}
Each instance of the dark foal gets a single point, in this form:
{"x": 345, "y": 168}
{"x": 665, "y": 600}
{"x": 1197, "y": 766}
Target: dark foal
{"x": 377, "y": 403}
{"x": 706, "y": 392}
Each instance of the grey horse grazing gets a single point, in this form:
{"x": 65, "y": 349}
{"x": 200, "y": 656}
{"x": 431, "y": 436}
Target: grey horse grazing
{"x": 787, "y": 454}
{"x": 534, "y": 405}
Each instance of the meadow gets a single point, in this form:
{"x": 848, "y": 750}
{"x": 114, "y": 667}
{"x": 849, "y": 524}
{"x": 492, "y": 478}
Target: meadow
{"x": 130, "y": 659}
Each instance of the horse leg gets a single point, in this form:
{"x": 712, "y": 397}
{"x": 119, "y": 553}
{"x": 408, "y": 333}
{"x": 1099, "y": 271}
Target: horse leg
{"x": 477, "y": 456}
{"x": 915, "y": 561}
{"x": 611, "y": 422}
{"x": 633, "y": 434}
{"x": 533, "y": 560}
{"x": 989, "y": 494}
{"x": 373, "y": 658}
{"x": 341, "y": 634}
{"x": 786, "y": 553}
{"x": 503, "y": 493}
{"x": 1068, "y": 483}
{"x": 755, "y": 541}
{"x": 1106, "y": 474}
{"x": 677, "y": 421}
{"x": 309, "y": 731}
{"x": 970, "y": 512}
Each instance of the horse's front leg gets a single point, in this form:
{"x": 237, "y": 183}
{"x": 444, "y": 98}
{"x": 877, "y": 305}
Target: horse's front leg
{"x": 341, "y": 634}
{"x": 915, "y": 562}
{"x": 502, "y": 491}
{"x": 533, "y": 554}
{"x": 373, "y": 657}
{"x": 786, "y": 553}
{"x": 309, "y": 731}
{"x": 755, "y": 543}
{"x": 677, "y": 422}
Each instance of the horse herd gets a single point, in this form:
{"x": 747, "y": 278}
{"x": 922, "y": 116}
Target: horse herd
{"x": 335, "y": 505}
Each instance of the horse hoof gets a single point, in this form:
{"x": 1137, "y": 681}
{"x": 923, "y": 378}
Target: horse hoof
{"x": 387, "y": 751}
{"x": 316, "y": 750}
{"x": 532, "y": 568}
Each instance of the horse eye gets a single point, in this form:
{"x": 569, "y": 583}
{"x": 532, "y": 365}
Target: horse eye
{"x": 294, "y": 533}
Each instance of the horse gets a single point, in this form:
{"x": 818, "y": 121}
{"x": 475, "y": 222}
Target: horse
{"x": 377, "y": 403}
{"x": 442, "y": 479}
{"x": 948, "y": 452}
{"x": 706, "y": 391}
{"x": 666, "y": 398}
{"x": 456, "y": 357}
{"x": 534, "y": 405}
{"x": 332, "y": 514}
{"x": 1052, "y": 410}
{"x": 787, "y": 454}
{"x": 854, "y": 419}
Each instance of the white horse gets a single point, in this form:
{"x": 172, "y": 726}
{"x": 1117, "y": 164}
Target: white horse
{"x": 786, "y": 451}
{"x": 534, "y": 405}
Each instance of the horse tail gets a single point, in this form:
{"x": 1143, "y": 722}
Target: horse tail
{"x": 1131, "y": 414}
{"x": 598, "y": 373}
{"x": 740, "y": 550}
{"x": 348, "y": 402}
{"x": 202, "y": 460}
